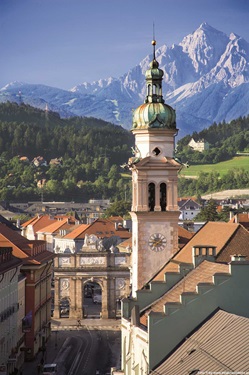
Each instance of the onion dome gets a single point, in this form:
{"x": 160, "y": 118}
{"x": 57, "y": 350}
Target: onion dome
{"x": 154, "y": 113}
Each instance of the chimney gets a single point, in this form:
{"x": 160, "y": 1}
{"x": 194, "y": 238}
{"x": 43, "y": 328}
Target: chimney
{"x": 238, "y": 258}
{"x": 203, "y": 252}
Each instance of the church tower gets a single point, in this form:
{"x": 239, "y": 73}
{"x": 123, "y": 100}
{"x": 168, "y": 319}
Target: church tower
{"x": 154, "y": 209}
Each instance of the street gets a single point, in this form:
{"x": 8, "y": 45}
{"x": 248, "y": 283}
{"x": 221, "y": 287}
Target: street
{"x": 81, "y": 349}
{"x": 85, "y": 352}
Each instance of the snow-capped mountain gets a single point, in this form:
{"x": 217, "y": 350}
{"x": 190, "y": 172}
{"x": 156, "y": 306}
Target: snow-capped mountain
{"x": 206, "y": 79}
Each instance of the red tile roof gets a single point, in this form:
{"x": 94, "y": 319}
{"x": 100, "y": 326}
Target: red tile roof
{"x": 28, "y": 251}
{"x": 183, "y": 236}
{"x": 39, "y": 222}
{"x": 219, "y": 234}
{"x": 242, "y": 219}
{"x": 53, "y": 227}
{"x": 102, "y": 228}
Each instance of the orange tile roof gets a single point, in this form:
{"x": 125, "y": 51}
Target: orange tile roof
{"x": 115, "y": 218}
{"x": 53, "y": 227}
{"x": 30, "y": 221}
{"x": 242, "y": 218}
{"x": 102, "y": 228}
{"x": 183, "y": 236}
{"x": 229, "y": 238}
{"x": 238, "y": 244}
{"x": 201, "y": 274}
{"x": 22, "y": 246}
{"x": 40, "y": 222}
{"x": 125, "y": 246}
{"x": 77, "y": 232}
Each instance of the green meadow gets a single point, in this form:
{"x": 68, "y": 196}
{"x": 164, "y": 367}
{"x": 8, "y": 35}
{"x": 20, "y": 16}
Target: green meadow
{"x": 222, "y": 168}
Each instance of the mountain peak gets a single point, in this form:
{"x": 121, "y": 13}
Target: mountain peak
{"x": 233, "y": 36}
{"x": 12, "y": 85}
{"x": 206, "y": 76}
{"x": 205, "y": 26}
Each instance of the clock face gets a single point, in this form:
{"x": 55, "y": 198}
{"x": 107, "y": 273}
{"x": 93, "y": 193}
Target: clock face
{"x": 157, "y": 242}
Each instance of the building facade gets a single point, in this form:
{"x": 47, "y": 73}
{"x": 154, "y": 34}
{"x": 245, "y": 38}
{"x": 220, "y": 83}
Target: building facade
{"x": 90, "y": 267}
{"x": 11, "y": 339}
{"x": 36, "y": 270}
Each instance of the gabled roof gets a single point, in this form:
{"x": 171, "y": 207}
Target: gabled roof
{"x": 242, "y": 219}
{"x": 229, "y": 239}
{"x": 116, "y": 219}
{"x": 77, "y": 232}
{"x": 23, "y": 248}
{"x": 39, "y": 222}
{"x": 102, "y": 228}
{"x": 183, "y": 236}
{"x": 184, "y": 203}
{"x": 219, "y": 345}
{"x": 125, "y": 245}
{"x": 53, "y": 227}
{"x": 202, "y": 274}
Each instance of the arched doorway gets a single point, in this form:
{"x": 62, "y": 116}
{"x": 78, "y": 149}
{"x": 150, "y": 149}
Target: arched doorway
{"x": 92, "y": 300}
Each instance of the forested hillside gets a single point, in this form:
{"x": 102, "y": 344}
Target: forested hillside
{"x": 225, "y": 141}
{"x": 90, "y": 153}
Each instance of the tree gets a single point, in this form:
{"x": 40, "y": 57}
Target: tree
{"x": 208, "y": 212}
{"x": 118, "y": 208}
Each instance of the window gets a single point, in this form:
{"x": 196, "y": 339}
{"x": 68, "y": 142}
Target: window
{"x": 151, "y": 196}
{"x": 163, "y": 196}
{"x": 156, "y": 151}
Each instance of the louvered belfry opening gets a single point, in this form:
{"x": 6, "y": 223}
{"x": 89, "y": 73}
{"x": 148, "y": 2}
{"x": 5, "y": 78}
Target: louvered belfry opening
{"x": 151, "y": 196}
{"x": 163, "y": 196}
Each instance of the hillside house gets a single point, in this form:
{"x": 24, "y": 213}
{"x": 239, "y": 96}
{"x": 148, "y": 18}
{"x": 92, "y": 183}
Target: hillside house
{"x": 200, "y": 145}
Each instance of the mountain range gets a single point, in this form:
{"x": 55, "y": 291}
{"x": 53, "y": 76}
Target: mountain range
{"x": 206, "y": 80}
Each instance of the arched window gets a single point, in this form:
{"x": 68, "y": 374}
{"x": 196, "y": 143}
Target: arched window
{"x": 149, "y": 90}
{"x": 163, "y": 196}
{"x": 151, "y": 196}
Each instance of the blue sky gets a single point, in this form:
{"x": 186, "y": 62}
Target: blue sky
{"x": 63, "y": 43}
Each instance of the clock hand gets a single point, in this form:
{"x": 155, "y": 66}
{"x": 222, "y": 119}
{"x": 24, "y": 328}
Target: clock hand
{"x": 158, "y": 242}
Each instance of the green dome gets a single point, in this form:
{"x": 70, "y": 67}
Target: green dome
{"x": 154, "y": 72}
{"x": 154, "y": 115}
